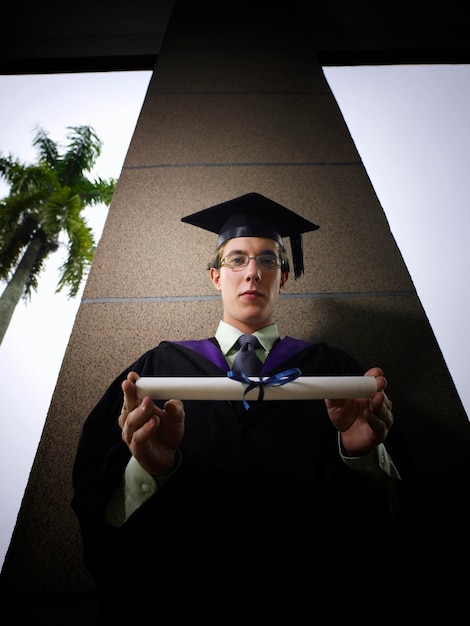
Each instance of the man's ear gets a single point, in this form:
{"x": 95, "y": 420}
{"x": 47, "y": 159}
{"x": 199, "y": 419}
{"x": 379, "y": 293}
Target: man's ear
{"x": 284, "y": 278}
{"x": 215, "y": 277}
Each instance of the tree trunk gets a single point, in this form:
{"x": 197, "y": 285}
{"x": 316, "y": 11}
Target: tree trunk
{"x": 15, "y": 288}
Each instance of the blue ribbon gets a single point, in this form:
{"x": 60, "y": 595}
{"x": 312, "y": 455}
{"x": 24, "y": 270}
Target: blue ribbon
{"x": 263, "y": 381}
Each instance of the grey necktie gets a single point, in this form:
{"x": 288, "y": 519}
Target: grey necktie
{"x": 246, "y": 360}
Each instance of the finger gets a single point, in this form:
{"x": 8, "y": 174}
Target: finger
{"x": 130, "y": 401}
{"x": 174, "y": 410}
{"x": 134, "y": 412}
{"x": 142, "y": 434}
{"x": 128, "y": 385}
{"x": 139, "y": 418}
{"x": 374, "y": 371}
{"x": 383, "y": 414}
{"x": 380, "y": 402}
{"x": 381, "y": 383}
{"x": 380, "y": 380}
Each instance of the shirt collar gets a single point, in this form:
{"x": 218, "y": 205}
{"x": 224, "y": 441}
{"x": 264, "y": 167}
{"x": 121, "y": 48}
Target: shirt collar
{"x": 227, "y": 336}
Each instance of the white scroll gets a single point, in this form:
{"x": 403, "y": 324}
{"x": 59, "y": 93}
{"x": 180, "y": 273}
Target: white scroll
{"x": 224, "y": 388}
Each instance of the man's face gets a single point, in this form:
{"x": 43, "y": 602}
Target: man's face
{"x": 249, "y": 294}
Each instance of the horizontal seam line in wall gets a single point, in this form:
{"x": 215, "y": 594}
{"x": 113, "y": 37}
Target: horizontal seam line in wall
{"x": 321, "y": 91}
{"x": 284, "y": 296}
{"x": 252, "y": 164}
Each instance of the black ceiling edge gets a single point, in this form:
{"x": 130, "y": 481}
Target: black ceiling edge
{"x": 77, "y": 65}
{"x": 327, "y": 58}
{"x": 393, "y": 57}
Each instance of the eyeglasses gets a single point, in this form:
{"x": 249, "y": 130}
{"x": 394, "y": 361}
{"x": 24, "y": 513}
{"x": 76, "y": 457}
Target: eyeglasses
{"x": 238, "y": 261}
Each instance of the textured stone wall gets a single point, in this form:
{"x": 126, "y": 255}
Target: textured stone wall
{"x": 233, "y": 108}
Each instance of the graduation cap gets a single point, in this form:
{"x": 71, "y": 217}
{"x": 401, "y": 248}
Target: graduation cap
{"x": 254, "y": 215}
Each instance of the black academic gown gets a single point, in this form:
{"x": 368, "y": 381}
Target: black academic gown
{"x": 264, "y": 481}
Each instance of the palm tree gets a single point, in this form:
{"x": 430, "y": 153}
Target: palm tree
{"x": 44, "y": 211}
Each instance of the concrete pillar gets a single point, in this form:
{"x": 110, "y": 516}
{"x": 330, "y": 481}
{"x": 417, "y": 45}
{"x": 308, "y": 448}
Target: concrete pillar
{"x": 235, "y": 107}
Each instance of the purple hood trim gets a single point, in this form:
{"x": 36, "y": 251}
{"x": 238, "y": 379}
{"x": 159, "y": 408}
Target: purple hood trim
{"x": 284, "y": 349}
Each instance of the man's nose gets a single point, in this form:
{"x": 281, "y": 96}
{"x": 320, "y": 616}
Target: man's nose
{"x": 253, "y": 269}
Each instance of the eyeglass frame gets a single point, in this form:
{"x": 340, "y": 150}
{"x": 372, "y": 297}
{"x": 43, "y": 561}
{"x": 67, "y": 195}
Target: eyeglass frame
{"x": 248, "y": 258}
{"x": 215, "y": 261}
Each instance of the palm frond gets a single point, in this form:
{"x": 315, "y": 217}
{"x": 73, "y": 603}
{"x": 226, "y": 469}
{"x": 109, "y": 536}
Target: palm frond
{"x": 81, "y": 249}
{"x": 47, "y": 149}
{"x": 84, "y": 148}
{"x": 98, "y": 191}
{"x": 23, "y": 178}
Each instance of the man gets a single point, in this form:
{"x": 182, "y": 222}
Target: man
{"x": 154, "y": 480}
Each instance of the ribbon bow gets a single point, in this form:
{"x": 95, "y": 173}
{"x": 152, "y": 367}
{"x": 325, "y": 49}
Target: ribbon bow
{"x": 264, "y": 381}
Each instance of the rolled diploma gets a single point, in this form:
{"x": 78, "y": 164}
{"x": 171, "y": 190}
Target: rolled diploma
{"x": 222, "y": 388}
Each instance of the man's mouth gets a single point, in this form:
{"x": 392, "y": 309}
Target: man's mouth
{"x": 251, "y": 294}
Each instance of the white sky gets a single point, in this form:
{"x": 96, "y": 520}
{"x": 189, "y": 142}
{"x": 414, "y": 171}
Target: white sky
{"x": 410, "y": 125}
